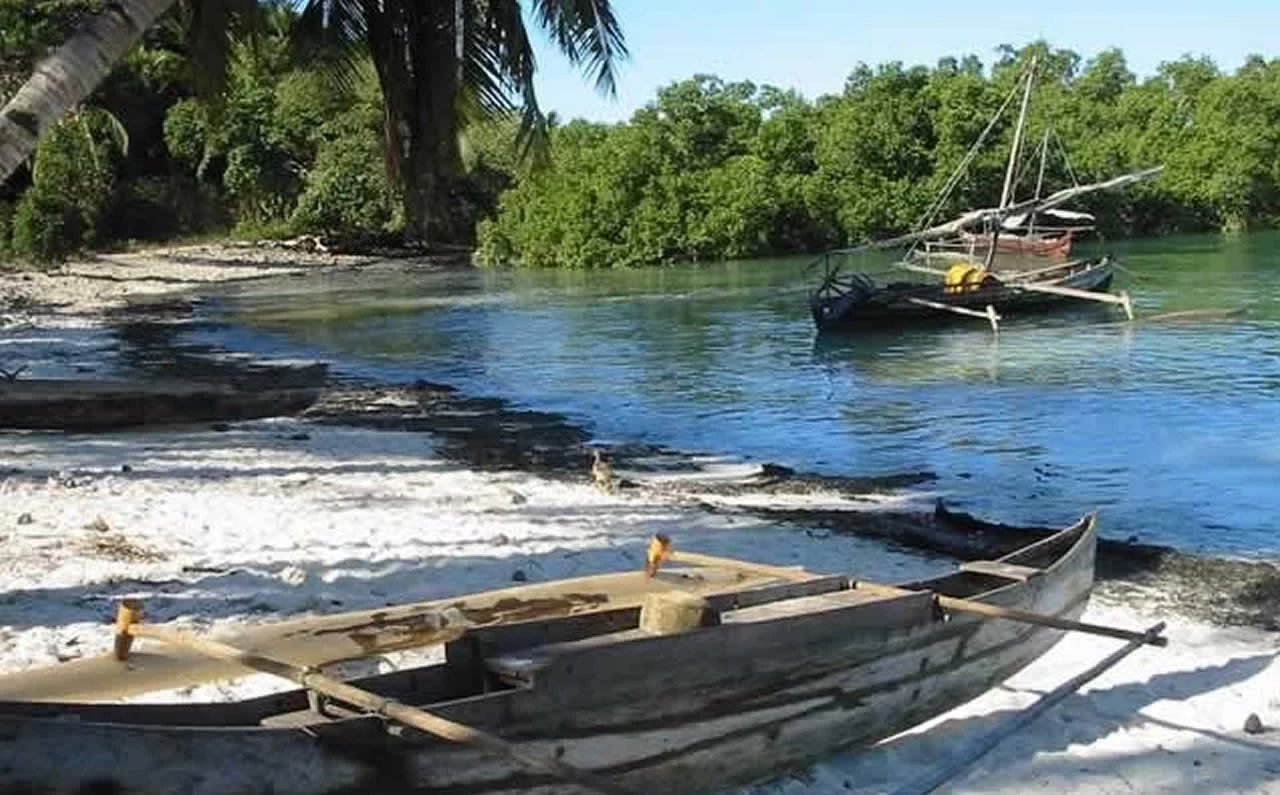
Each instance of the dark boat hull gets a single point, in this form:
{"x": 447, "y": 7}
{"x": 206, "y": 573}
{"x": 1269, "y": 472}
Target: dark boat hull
{"x": 774, "y": 687}
{"x": 80, "y": 405}
{"x": 891, "y": 305}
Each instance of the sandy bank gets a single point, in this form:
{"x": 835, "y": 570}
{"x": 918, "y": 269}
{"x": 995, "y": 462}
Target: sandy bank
{"x": 278, "y": 518}
{"x": 84, "y": 291}
{"x": 386, "y": 495}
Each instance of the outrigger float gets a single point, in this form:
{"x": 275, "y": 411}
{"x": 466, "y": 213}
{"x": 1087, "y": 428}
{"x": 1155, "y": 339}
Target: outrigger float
{"x": 697, "y": 674}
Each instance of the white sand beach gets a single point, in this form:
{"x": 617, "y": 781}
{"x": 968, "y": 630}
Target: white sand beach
{"x": 276, "y": 518}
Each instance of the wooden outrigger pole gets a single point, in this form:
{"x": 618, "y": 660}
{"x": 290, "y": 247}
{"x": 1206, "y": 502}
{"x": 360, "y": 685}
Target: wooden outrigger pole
{"x": 660, "y": 549}
{"x": 128, "y": 628}
{"x": 951, "y": 766}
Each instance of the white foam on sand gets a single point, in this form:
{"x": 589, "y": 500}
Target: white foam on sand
{"x": 261, "y": 523}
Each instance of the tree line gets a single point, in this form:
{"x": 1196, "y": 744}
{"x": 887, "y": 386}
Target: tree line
{"x": 709, "y": 169}
{"x": 716, "y": 169}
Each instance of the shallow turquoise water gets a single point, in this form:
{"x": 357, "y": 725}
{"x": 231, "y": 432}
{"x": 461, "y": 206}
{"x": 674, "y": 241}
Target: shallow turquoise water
{"x": 1170, "y": 430}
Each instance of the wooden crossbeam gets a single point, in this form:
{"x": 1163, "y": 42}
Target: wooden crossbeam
{"x": 948, "y": 768}
{"x": 989, "y": 315}
{"x": 661, "y": 550}
{"x": 1122, "y": 299}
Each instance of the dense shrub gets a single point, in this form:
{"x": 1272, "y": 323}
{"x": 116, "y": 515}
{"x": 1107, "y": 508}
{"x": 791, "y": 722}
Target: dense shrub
{"x": 160, "y": 208}
{"x": 6, "y": 230}
{"x": 71, "y": 184}
{"x": 47, "y": 226}
{"x": 347, "y": 194}
{"x": 710, "y": 169}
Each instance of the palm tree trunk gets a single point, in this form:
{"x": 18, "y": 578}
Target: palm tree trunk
{"x": 412, "y": 45}
{"x": 68, "y": 76}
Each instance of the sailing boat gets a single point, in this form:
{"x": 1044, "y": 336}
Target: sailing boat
{"x": 966, "y": 277}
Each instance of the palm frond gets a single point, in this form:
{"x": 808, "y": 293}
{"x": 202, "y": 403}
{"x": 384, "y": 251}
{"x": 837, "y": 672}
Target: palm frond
{"x": 332, "y": 35}
{"x": 498, "y": 66}
{"x": 588, "y": 33}
{"x": 212, "y": 23}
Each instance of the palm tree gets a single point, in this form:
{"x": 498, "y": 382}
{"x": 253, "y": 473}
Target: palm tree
{"x": 68, "y": 76}
{"x": 441, "y": 64}
{"x": 444, "y": 64}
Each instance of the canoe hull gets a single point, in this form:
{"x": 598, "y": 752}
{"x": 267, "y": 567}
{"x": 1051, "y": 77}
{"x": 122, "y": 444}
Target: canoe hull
{"x": 723, "y": 706}
{"x": 81, "y": 406}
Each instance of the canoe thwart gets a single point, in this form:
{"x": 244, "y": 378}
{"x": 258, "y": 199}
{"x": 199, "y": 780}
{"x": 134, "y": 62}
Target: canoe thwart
{"x": 995, "y": 568}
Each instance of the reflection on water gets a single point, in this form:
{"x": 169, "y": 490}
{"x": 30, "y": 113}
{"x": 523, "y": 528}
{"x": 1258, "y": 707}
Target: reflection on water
{"x": 1170, "y": 429}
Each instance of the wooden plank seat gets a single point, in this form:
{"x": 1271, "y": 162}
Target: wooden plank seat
{"x": 522, "y": 666}
{"x": 995, "y": 568}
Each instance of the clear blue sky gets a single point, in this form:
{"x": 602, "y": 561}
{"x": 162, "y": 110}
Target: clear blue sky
{"x": 812, "y": 45}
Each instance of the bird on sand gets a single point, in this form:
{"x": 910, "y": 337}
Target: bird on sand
{"x": 601, "y": 472}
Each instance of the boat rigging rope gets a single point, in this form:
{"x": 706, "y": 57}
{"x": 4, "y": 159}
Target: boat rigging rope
{"x": 954, "y": 179}
{"x": 1075, "y": 183}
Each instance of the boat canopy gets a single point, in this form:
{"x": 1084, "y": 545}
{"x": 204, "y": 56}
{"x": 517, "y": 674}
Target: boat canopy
{"x": 1020, "y": 220}
{"x": 978, "y": 219}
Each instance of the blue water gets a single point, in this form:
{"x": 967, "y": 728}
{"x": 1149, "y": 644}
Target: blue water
{"x": 1171, "y": 431}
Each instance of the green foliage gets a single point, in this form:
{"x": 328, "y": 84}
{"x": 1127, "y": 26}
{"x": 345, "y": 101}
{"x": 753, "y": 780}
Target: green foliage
{"x": 159, "y": 208}
{"x": 72, "y": 181}
{"x": 708, "y": 170}
{"x": 6, "y": 230}
{"x": 29, "y": 29}
{"x": 728, "y": 170}
{"x": 47, "y": 227}
{"x": 347, "y": 193}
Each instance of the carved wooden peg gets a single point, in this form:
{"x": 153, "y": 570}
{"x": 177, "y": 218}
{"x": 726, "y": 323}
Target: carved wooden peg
{"x": 127, "y": 614}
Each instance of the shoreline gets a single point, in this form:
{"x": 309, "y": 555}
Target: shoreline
{"x": 160, "y": 286}
{"x": 385, "y": 493}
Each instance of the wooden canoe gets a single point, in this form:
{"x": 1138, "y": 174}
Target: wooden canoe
{"x": 847, "y": 304}
{"x": 90, "y": 405}
{"x": 790, "y": 672}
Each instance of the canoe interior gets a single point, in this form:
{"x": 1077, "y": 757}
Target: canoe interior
{"x": 469, "y": 675}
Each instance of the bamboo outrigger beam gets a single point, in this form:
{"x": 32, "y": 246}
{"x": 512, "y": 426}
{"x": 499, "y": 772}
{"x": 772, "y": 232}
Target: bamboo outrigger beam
{"x": 990, "y": 315}
{"x": 660, "y": 549}
{"x": 128, "y": 628}
{"x": 939, "y": 774}
{"x": 1122, "y": 298}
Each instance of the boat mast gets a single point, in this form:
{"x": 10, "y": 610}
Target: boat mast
{"x": 1044, "y": 155}
{"x": 1006, "y": 194}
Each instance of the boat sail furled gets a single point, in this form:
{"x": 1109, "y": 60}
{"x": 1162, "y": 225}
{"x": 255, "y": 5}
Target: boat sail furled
{"x": 961, "y": 255}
